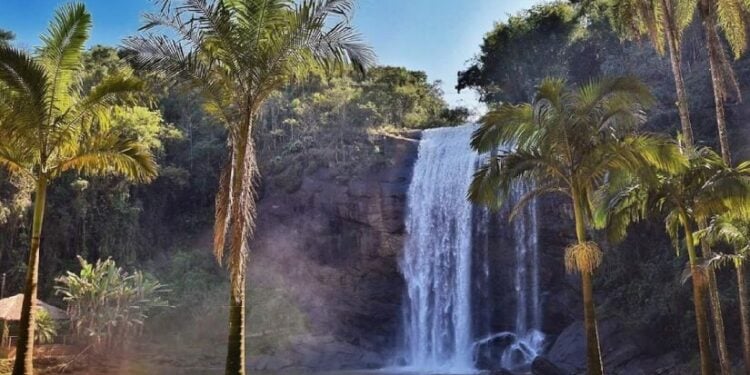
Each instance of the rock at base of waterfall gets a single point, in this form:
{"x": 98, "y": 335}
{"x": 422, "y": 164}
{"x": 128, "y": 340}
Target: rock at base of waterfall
{"x": 543, "y": 366}
{"x": 623, "y": 351}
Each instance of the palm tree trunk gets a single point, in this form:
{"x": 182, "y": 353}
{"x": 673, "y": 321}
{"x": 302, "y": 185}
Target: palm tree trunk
{"x": 744, "y": 315}
{"x": 701, "y": 318}
{"x": 25, "y": 347}
{"x": 675, "y": 58}
{"x": 243, "y": 220}
{"x": 714, "y": 58}
{"x": 236, "y": 350}
{"x": 593, "y": 351}
{"x": 718, "y": 320}
{"x": 713, "y": 44}
{"x": 716, "y": 312}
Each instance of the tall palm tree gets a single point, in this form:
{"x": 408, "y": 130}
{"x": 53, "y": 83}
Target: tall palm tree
{"x": 663, "y": 22}
{"x": 736, "y": 233}
{"x": 238, "y": 53}
{"x": 49, "y": 125}
{"x": 707, "y": 187}
{"x": 567, "y": 141}
{"x": 728, "y": 16}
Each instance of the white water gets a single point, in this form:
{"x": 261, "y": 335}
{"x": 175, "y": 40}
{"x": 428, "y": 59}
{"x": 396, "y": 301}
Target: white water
{"x": 516, "y": 349}
{"x": 438, "y": 271}
{"x": 528, "y": 339}
{"x": 437, "y": 256}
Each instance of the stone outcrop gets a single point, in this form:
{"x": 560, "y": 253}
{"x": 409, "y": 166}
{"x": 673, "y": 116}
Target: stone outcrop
{"x": 623, "y": 351}
{"x": 335, "y": 247}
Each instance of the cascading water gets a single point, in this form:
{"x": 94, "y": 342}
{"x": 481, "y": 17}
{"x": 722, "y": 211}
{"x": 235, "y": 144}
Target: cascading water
{"x": 437, "y": 257}
{"x": 527, "y": 338}
{"x": 516, "y": 349}
{"x": 437, "y": 265}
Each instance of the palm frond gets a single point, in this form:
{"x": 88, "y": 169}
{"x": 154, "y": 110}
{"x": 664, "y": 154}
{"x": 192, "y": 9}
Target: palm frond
{"x": 616, "y": 208}
{"x": 720, "y": 260}
{"x": 15, "y": 157}
{"x": 528, "y": 197}
{"x": 62, "y": 51}
{"x": 106, "y": 153}
{"x": 27, "y": 78}
{"x": 116, "y": 88}
{"x": 506, "y": 126}
{"x": 731, "y": 15}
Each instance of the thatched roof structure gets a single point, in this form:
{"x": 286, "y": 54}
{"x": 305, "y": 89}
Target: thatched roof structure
{"x": 10, "y": 309}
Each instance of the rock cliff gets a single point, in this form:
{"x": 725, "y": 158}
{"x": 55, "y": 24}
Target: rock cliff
{"x": 336, "y": 246}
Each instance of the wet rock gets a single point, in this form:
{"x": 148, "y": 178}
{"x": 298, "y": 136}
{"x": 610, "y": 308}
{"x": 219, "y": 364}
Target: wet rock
{"x": 334, "y": 245}
{"x": 543, "y": 366}
{"x": 623, "y": 351}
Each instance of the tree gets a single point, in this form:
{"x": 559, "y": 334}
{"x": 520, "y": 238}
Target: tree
{"x": 239, "y": 52}
{"x": 509, "y": 68}
{"x": 49, "y": 126}
{"x": 107, "y": 305}
{"x": 729, "y": 17}
{"x": 6, "y": 36}
{"x": 736, "y": 233}
{"x": 46, "y": 327}
{"x": 663, "y": 21}
{"x": 567, "y": 141}
{"x": 707, "y": 187}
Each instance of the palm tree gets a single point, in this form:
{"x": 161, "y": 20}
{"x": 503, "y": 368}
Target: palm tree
{"x": 736, "y": 233}
{"x": 567, "y": 141}
{"x": 707, "y": 187}
{"x": 49, "y": 125}
{"x": 239, "y": 52}
{"x": 729, "y": 17}
{"x": 663, "y": 22}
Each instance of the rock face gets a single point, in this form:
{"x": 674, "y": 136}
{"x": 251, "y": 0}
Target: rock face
{"x": 543, "y": 366}
{"x": 335, "y": 246}
{"x": 623, "y": 351}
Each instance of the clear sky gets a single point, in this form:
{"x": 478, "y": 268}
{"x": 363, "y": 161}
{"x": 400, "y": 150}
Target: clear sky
{"x": 436, "y": 36}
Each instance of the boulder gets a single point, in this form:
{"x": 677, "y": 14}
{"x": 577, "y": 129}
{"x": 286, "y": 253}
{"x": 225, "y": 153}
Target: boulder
{"x": 543, "y": 366}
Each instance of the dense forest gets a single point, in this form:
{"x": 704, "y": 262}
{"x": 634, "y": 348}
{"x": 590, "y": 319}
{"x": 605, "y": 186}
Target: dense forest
{"x": 155, "y": 232}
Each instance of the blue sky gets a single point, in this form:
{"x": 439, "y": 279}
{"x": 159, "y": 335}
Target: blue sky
{"x": 436, "y": 36}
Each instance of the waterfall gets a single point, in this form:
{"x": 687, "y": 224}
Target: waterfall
{"x": 437, "y": 255}
{"x": 527, "y": 339}
{"x": 439, "y": 334}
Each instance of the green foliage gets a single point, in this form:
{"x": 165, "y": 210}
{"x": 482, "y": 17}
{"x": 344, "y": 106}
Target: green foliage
{"x": 329, "y": 122}
{"x": 660, "y": 21}
{"x": 75, "y": 133}
{"x": 46, "y": 327}
{"x": 6, "y": 36}
{"x": 730, "y": 230}
{"x": 106, "y": 305}
{"x": 687, "y": 197}
{"x": 567, "y": 141}
{"x": 509, "y": 66}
